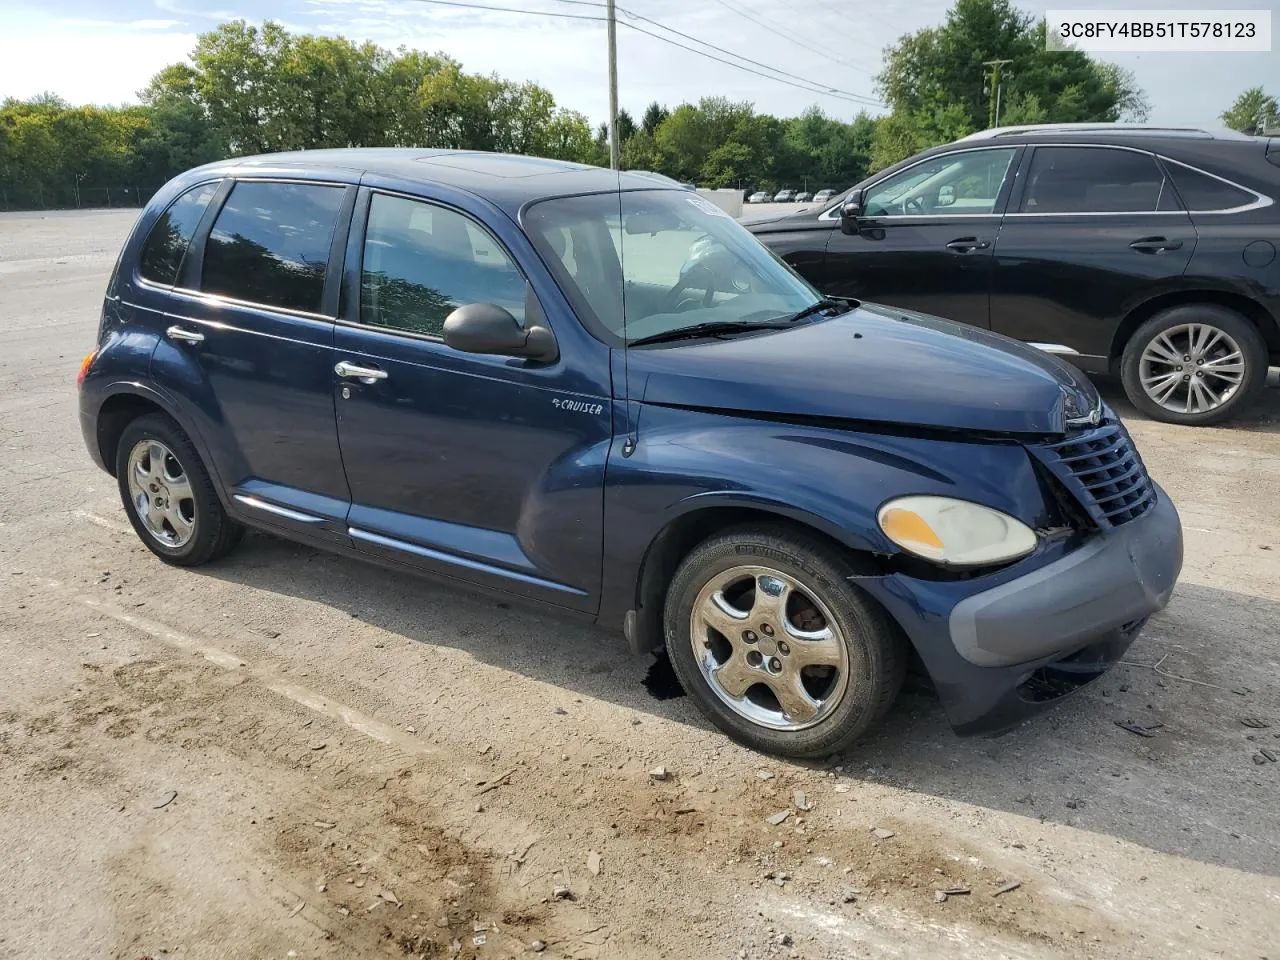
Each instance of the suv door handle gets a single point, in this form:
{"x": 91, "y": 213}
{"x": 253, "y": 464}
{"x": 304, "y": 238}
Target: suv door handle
{"x": 1155, "y": 245}
{"x": 967, "y": 245}
{"x": 181, "y": 333}
{"x": 345, "y": 368}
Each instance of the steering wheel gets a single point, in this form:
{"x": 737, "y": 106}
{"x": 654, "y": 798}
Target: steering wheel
{"x": 914, "y": 205}
{"x": 672, "y": 302}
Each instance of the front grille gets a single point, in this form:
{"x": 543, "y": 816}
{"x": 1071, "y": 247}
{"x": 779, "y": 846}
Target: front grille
{"x": 1104, "y": 472}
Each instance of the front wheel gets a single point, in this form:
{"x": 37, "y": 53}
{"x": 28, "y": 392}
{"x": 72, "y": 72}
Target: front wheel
{"x": 1196, "y": 364}
{"x": 775, "y": 645}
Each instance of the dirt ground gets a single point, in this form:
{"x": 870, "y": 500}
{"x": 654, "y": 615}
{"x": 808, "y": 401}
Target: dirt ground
{"x": 289, "y": 754}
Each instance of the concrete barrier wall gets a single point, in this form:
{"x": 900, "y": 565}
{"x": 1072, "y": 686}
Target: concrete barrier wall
{"x": 730, "y": 201}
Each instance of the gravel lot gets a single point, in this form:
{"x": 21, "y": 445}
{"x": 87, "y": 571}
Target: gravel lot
{"x": 292, "y": 754}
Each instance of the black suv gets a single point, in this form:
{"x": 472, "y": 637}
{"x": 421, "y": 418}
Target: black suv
{"x": 1142, "y": 251}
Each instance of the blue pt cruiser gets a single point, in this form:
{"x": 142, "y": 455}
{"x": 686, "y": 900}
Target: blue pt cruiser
{"x": 598, "y": 392}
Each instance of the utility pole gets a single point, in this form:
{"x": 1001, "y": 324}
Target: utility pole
{"x": 614, "y": 157}
{"x": 995, "y": 89}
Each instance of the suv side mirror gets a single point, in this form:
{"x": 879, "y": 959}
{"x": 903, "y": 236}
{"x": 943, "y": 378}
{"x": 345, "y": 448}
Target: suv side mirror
{"x": 850, "y": 212}
{"x": 488, "y": 328}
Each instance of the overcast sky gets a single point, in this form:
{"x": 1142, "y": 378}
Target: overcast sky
{"x": 100, "y": 52}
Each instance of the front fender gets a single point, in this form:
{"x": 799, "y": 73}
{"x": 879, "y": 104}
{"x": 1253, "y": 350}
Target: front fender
{"x": 830, "y": 480}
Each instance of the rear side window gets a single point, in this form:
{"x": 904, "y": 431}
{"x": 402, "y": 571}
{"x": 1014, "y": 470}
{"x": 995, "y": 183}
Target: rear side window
{"x": 1094, "y": 180}
{"x": 1203, "y": 193}
{"x": 422, "y": 262}
{"x": 270, "y": 244}
{"x": 167, "y": 243}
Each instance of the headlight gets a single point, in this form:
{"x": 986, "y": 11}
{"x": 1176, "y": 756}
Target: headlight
{"x": 954, "y": 531}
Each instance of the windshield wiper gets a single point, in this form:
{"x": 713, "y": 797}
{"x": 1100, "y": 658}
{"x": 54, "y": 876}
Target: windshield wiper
{"x": 826, "y": 303}
{"x": 711, "y": 329}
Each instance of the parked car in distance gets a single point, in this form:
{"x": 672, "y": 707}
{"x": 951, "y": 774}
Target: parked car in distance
{"x": 783, "y": 196}
{"x": 822, "y": 196}
{"x": 1145, "y": 252}
{"x": 803, "y": 197}
{"x": 759, "y": 196}
{"x": 421, "y": 358}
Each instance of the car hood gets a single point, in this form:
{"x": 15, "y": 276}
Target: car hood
{"x": 873, "y": 364}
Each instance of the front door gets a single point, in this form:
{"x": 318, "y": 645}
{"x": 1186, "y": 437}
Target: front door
{"x": 248, "y": 351}
{"x": 1092, "y": 232}
{"x": 926, "y": 237}
{"x": 485, "y": 468}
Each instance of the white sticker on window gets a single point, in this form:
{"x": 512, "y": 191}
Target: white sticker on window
{"x": 706, "y": 206}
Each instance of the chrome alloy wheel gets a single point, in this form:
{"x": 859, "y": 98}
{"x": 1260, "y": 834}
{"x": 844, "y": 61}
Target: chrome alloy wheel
{"x": 1191, "y": 368}
{"x": 161, "y": 493}
{"x": 769, "y": 648}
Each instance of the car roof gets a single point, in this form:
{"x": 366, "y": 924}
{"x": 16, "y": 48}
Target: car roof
{"x": 508, "y": 180}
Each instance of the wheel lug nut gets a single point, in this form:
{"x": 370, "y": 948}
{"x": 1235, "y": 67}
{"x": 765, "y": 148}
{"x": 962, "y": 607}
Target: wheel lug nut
{"x": 1199, "y": 363}
{"x": 1179, "y": 368}
{"x": 749, "y": 636}
{"x": 754, "y": 659}
{"x": 766, "y": 629}
{"x": 775, "y": 664}
{"x": 1186, "y": 359}
{"x": 783, "y": 649}
{"x": 1185, "y": 378}
{"x": 1199, "y": 373}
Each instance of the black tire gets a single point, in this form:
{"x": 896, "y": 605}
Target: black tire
{"x": 1253, "y": 350}
{"x": 877, "y": 649}
{"x": 215, "y": 533}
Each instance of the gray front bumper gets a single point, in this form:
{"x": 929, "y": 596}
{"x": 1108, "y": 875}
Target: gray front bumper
{"x": 1116, "y": 578}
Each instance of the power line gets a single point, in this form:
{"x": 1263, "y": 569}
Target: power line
{"x": 780, "y": 30}
{"x": 791, "y": 80}
{"x": 829, "y": 92}
{"x": 538, "y": 13}
{"x": 738, "y": 56}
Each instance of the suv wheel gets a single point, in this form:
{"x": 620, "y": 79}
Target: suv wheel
{"x": 169, "y": 496}
{"x": 1196, "y": 364}
{"x": 776, "y": 647}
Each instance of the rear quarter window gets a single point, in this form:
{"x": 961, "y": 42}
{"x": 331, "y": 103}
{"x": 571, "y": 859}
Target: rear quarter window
{"x": 1204, "y": 193}
{"x": 167, "y": 243}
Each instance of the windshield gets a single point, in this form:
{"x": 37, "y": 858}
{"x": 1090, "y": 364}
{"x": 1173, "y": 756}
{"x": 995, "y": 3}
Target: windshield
{"x": 680, "y": 260}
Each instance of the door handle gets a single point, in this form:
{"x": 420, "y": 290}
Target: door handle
{"x": 181, "y": 333}
{"x": 967, "y": 245}
{"x": 345, "y": 368}
{"x": 1155, "y": 245}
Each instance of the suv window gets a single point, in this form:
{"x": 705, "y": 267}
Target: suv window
{"x": 270, "y": 244}
{"x": 1095, "y": 180}
{"x": 955, "y": 183}
{"x": 166, "y": 245}
{"x": 1203, "y": 193}
{"x": 422, "y": 262}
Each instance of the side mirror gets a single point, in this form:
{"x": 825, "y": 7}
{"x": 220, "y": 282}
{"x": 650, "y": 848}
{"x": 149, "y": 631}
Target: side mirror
{"x": 488, "y": 328}
{"x": 850, "y": 212}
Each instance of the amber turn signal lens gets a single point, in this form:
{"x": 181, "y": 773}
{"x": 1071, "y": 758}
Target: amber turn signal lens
{"x": 907, "y": 528}
{"x": 85, "y": 364}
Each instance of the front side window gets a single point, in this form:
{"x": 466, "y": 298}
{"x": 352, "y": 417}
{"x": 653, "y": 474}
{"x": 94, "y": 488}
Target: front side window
{"x": 270, "y": 244}
{"x": 956, "y": 183}
{"x": 166, "y": 245}
{"x": 422, "y": 262}
{"x": 647, "y": 262}
{"x": 1095, "y": 180}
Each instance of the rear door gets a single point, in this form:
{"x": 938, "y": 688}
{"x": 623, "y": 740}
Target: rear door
{"x": 927, "y": 235}
{"x": 249, "y": 344}
{"x": 1091, "y": 232}
{"x": 489, "y": 469}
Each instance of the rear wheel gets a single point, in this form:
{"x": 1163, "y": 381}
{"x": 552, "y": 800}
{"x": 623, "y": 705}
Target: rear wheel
{"x": 776, "y": 647}
{"x": 169, "y": 496}
{"x": 1196, "y": 364}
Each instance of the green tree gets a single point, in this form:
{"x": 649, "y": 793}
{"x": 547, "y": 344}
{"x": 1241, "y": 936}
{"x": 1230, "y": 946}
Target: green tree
{"x": 1253, "y": 112}
{"x": 929, "y": 72}
{"x": 654, "y": 114}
